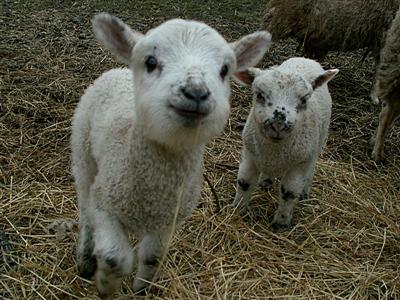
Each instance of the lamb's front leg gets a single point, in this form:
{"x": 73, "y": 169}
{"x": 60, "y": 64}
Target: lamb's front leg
{"x": 246, "y": 182}
{"x": 113, "y": 253}
{"x": 151, "y": 250}
{"x": 294, "y": 186}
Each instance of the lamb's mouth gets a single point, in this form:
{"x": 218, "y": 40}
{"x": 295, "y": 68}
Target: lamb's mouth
{"x": 275, "y": 136}
{"x": 190, "y": 114}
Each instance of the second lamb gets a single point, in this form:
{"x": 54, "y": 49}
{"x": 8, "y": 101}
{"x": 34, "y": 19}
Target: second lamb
{"x": 285, "y": 132}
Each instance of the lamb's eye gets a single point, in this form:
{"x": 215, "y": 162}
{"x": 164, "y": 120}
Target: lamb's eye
{"x": 151, "y": 63}
{"x": 303, "y": 102}
{"x": 224, "y": 71}
{"x": 260, "y": 98}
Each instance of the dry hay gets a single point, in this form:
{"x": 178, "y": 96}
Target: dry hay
{"x": 345, "y": 241}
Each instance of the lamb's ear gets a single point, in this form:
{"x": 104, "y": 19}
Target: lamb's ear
{"x": 324, "y": 78}
{"x": 246, "y": 77}
{"x": 250, "y": 49}
{"x": 115, "y": 35}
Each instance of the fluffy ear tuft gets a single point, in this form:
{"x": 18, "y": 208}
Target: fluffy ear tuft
{"x": 115, "y": 35}
{"x": 246, "y": 77}
{"x": 324, "y": 78}
{"x": 250, "y": 49}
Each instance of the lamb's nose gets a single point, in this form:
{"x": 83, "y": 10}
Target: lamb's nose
{"x": 279, "y": 116}
{"x": 197, "y": 93}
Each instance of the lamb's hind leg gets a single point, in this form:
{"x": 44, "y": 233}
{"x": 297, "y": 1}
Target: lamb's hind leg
{"x": 113, "y": 253}
{"x": 151, "y": 249}
{"x": 387, "y": 116}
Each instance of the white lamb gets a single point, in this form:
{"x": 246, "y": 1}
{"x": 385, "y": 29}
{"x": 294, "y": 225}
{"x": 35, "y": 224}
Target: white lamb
{"x": 285, "y": 132}
{"x": 138, "y": 139}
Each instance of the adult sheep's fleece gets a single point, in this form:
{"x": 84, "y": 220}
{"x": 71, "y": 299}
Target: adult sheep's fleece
{"x": 138, "y": 138}
{"x": 285, "y": 132}
{"x": 332, "y": 25}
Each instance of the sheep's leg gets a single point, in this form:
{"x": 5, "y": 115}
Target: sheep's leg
{"x": 84, "y": 169}
{"x": 265, "y": 181}
{"x": 113, "y": 253}
{"x": 294, "y": 186}
{"x": 86, "y": 259}
{"x": 246, "y": 183}
{"x": 307, "y": 184}
{"x": 374, "y": 97}
{"x": 373, "y": 93}
{"x": 151, "y": 250}
{"x": 387, "y": 116}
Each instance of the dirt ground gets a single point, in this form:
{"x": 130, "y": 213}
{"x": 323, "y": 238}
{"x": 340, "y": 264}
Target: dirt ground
{"x": 344, "y": 242}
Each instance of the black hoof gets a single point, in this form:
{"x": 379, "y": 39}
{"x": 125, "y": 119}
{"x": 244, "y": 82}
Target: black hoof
{"x": 279, "y": 227}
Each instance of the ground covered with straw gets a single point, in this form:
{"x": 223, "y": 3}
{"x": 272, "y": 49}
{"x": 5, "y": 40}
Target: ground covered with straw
{"x": 345, "y": 239}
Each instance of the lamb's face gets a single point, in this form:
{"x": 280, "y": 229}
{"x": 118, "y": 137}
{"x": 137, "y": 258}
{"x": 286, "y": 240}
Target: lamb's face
{"x": 181, "y": 72}
{"x": 181, "y": 75}
{"x": 279, "y": 100}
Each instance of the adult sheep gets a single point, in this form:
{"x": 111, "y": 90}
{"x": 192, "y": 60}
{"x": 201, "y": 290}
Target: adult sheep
{"x": 331, "y": 25}
{"x": 388, "y": 87}
{"x": 285, "y": 132}
{"x": 138, "y": 137}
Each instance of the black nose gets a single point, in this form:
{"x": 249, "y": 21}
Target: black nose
{"x": 197, "y": 94}
{"x": 279, "y": 116}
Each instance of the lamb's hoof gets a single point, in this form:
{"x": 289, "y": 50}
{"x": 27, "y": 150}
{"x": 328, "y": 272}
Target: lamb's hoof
{"x": 279, "y": 227}
{"x": 281, "y": 222}
{"x": 375, "y": 99}
{"x": 105, "y": 296}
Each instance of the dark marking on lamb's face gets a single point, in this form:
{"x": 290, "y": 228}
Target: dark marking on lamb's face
{"x": 302, "y": 105}
{"x": 287, "y": 195}
{"x": 243, "y": 184}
